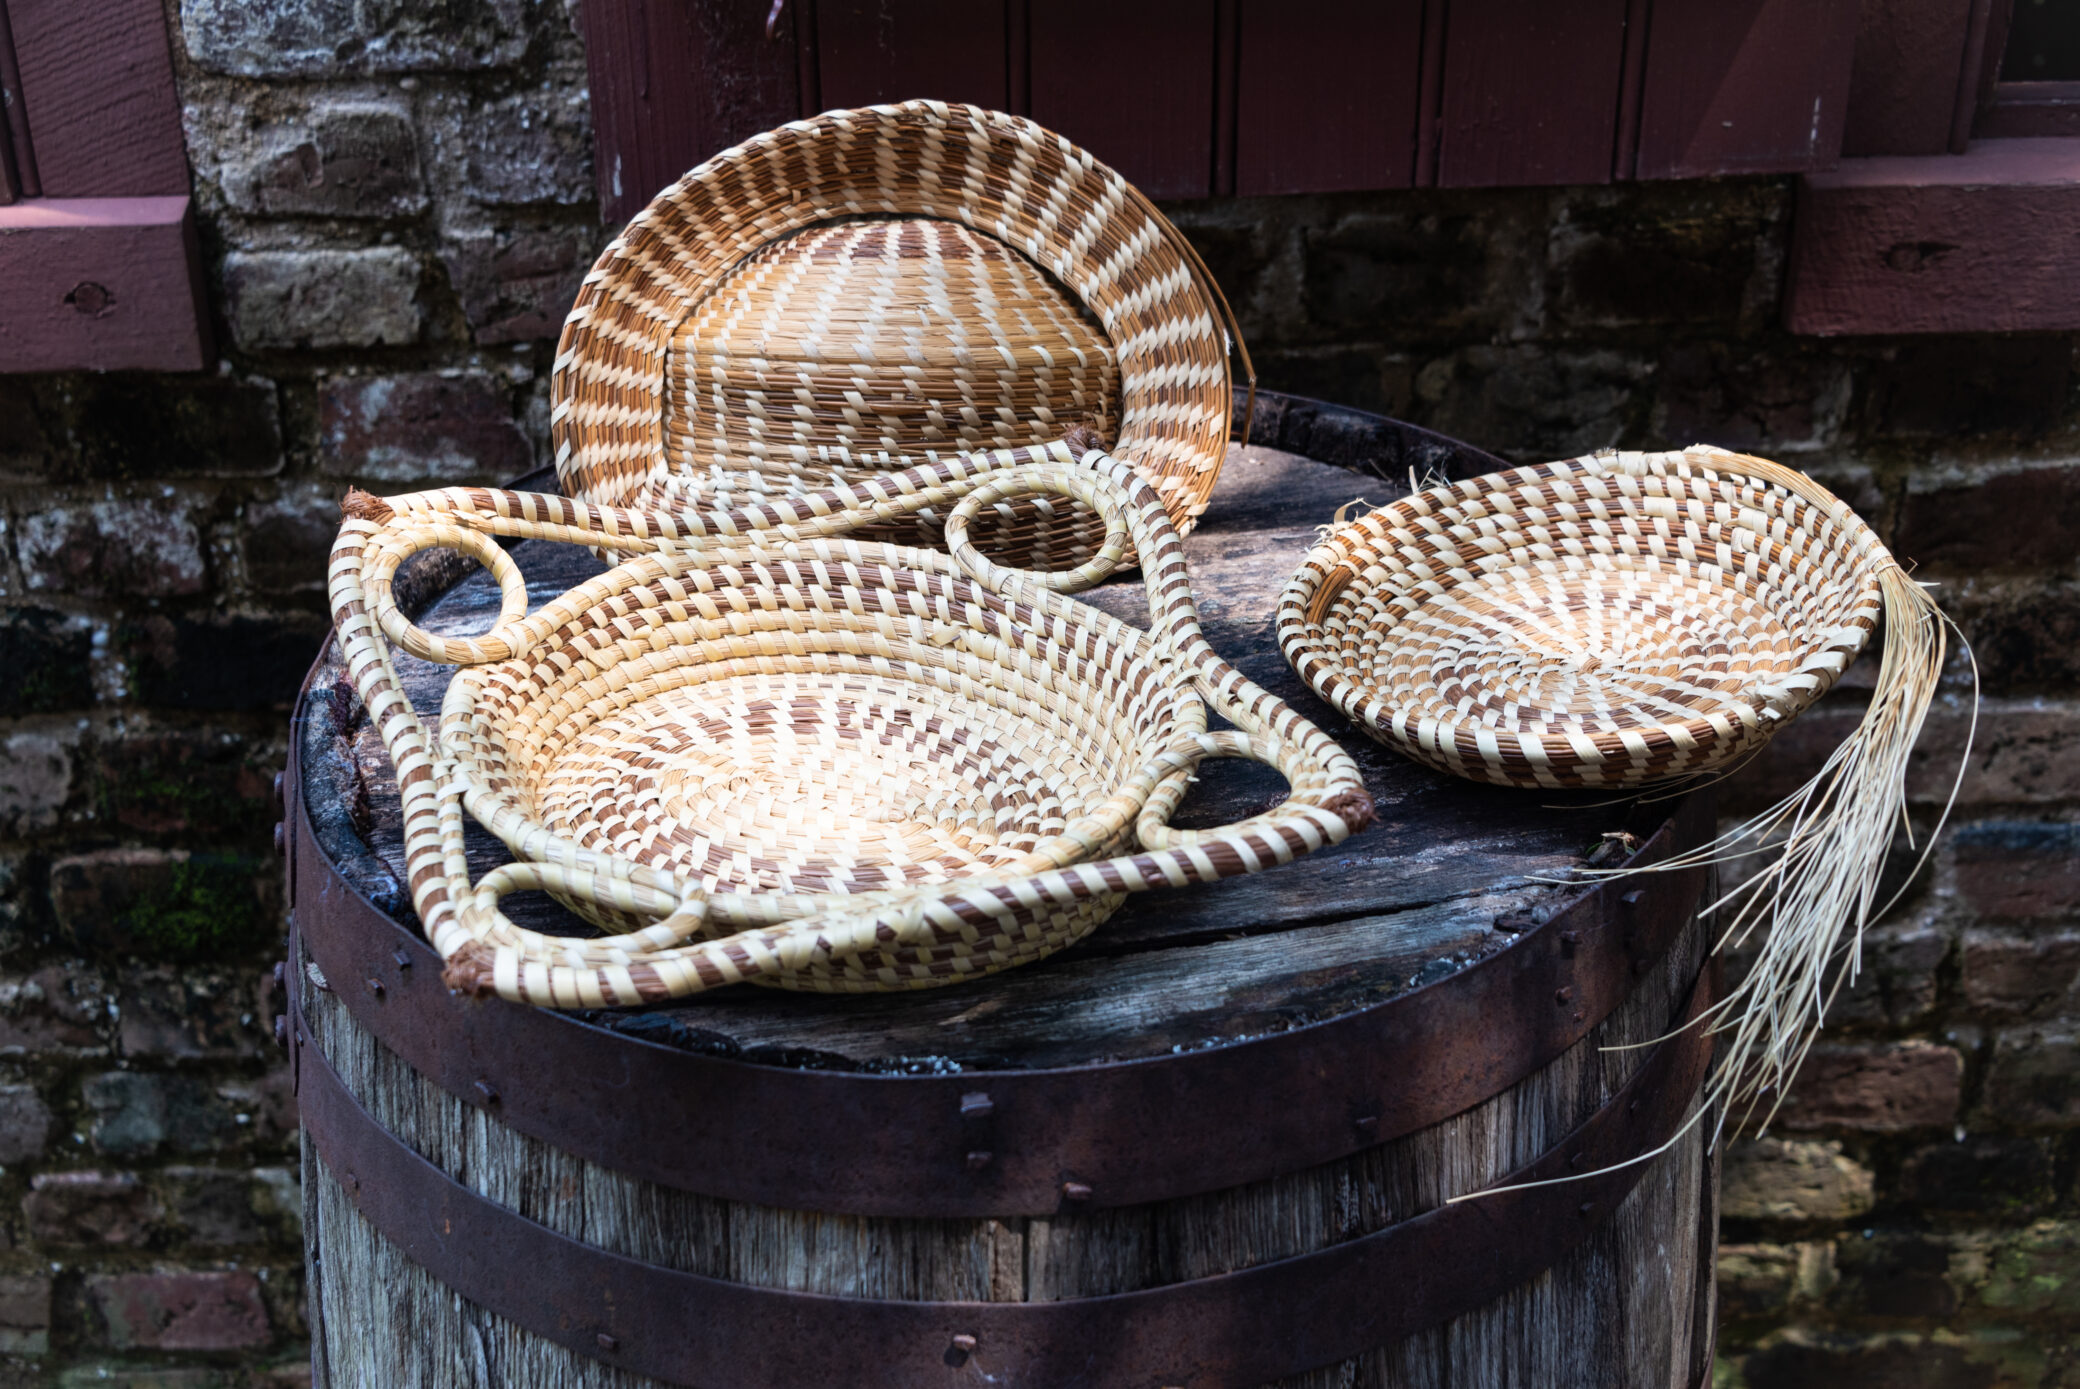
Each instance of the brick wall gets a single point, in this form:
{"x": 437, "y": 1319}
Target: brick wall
{"x": 1912, "y": 1220}
{"x": 397, "y": 205}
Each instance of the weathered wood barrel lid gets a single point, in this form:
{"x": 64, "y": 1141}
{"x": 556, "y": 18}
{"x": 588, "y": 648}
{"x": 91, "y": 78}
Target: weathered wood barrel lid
{"x": 954, "y": 1104}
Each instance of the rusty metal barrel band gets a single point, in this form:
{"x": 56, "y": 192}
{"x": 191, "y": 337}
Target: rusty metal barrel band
{"x": 1242, "y": 1328}
{"x": 1118, "y": 1134}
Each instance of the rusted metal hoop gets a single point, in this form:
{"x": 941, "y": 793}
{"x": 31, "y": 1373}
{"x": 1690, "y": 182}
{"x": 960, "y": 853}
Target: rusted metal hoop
{"x": 1234, "y": 1329}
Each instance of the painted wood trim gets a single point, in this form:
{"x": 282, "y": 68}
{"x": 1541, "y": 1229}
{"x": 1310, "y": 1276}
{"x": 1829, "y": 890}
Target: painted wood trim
{"x": 97, "y": 80}
{"x": 2030, "y": 110}
{"x": 1292, "y": 93}
{"x": 1970, "y": 243}
{"x": 108, "y": 283}
{"x": 1745, "y": 86}
{"x": 1530, "y": 92}
{"x": 675, "y": 81}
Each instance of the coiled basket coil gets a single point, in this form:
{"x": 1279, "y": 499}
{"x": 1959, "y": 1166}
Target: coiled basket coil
{"x": 720, "y": 353}
{"x": 1626, "y": 620}
{"x": 761, "y": 748}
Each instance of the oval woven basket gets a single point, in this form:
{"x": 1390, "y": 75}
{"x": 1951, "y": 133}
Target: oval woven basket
{"x": 763, "y": 749}
{"x": 640, "y": 349}
{"x": 1626, "y": 620}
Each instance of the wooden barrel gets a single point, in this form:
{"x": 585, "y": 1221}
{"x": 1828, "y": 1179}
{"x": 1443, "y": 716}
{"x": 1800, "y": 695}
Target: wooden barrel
{"x": 1215, "y": 1144}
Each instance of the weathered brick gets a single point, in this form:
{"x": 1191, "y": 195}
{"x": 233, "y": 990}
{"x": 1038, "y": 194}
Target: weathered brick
{"x": 1895, "y": 1273}
{"x": 2020, "y": 519}
{"x": 2032, "y": 1273}
{"x": 288, "y": 539}
{"x": 25, "y": 1313}
{"x": 35, "y": 779}
{"x": 1453, "y": 264}
{"x": 213, "y": 785}
{"x": 20, "y": 897}
{"x": 57, "y": 1010}
{"x": 89, "y": 1208}
{"x": 1533, "y": 402}
{"x": 2024, "y": 632}
{"x": 533, "y": 148}
{"x": 179, "y": 1311}
{"x": 517, "y": 285}
{"x": 2018, "y": 871}
{"x": 45, "y": 655}
{"x": 158, "y": 904}
{"x": 2034, "y": 1080}
{"x": 2010, "y": 974}
{"x": 1770, "y": 1179}
{"x": 25, "y": 1124}
{"x": 1807, "y": 1358}
{"x": 147, "y": 546}
{"x": 307, "y": 299}
{"x": 212, "y": 1014}
{"x": 223, "y": 661}
{"x": 426, "y": 427}
{"x": 133, "y": 1376}
{"x": 138, "y": 1113}
{"x": 144, "y": 427}
{"x": 1986, "y": 1175}
{"x": 1876, "y": 1088}
{"x": 346, "y": 159}
{"x": 1712, "y": 393}
{"x": 324, "y": 38}
{"x": 1761, "y": 1280}
{"x": 2024, "y": 752}
{"x": 1659, "y": 255}
{"x": 222, "y": 1206}
{"x": 267, "y": 1106}
{"x": 1979, "y": 385}
{"x": 25, "y": 445}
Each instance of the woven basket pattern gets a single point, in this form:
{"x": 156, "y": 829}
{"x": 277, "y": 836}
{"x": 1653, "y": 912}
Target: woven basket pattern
{"x": 1001, "y": 176}
{"x": 1610, "y": 621}
{"x": 763, "y": 749}
{"x": 879, "y": 344}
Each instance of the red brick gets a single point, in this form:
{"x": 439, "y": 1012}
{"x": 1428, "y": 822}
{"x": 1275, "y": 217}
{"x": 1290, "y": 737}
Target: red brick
{"x": 425, "y": 427}
{"x": 1883, "y": 1088}
{"x": 25, "y": 1123}
{"x": 72, "y": 1208}
{"x": 517, "y": 286}
{"x": 113, "y": 546}
{"x": 25, "y": 1314}
{"x": 2019, "y": 872}
{"x": 2007, "y": 974}
{"x": 2034, "y": 1081}
{"x": 180, "y": 1311}
{"x": 2025, "y": 519}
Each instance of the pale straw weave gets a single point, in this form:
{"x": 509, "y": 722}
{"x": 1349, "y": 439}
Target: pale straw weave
{"x": 1632, "y": 619}
{"x": 639, "y": 415}
{"x": 764, "y": 749}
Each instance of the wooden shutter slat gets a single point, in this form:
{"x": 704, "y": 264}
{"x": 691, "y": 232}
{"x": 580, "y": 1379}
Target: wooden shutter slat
{"x": 1133, "y": 83}
{"x": 1316, "y": 116}
{"x": 1745, "y": 86}
{"x": 1530, "y": 92}
{"x": 870, "y": 52}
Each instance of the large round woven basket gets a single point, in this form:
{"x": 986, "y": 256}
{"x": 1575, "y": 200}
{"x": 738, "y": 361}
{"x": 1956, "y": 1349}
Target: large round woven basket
{"x": 1635, "y": 619}
{"x": 721, "y": 352}
{"x": 761, "y": 748}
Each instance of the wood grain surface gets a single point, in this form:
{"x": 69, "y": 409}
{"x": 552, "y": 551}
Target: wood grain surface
{"x": 1414, "y": 898}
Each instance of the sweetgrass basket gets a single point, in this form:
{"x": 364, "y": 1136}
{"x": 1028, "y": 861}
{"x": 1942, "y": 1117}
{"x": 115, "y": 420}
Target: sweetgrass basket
{"x": 762, "y": 748}
{"x": 1625, "y": 620}
{"x": 775, "y": 323}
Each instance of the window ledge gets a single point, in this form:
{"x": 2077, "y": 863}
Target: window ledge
{"x": 1979, "y": 242}
{"x": 103, "y": 283}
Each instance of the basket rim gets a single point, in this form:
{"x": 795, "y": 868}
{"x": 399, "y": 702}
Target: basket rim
{"x": 629, "y": 446}
{"x": 1327, "y": 571}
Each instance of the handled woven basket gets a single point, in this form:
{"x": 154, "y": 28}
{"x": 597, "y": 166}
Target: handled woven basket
{"x": 763, "y": 749}
{"x": 1626, "y": 620}
{"x": 876, "y": 289}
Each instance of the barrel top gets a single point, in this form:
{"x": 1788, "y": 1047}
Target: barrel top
{"x": 1450, "y": 873}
